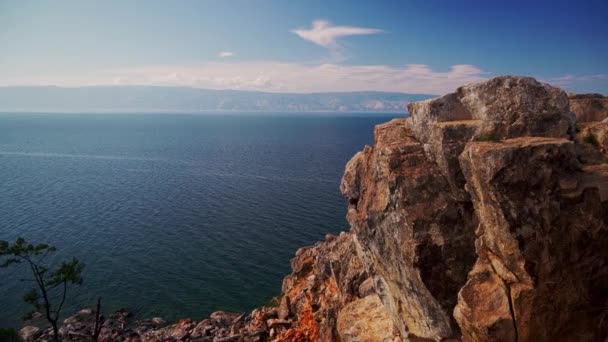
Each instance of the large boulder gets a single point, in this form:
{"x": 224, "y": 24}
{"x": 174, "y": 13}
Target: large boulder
{"x": 507, "y": 106}
{"x": 500, "y": 108}
{"x": 29, "y": 333}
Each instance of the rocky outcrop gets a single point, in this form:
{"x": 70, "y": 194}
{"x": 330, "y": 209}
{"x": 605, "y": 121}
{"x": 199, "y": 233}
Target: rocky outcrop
{"x": 332, "y": 297}
{"x": 593, "y": 141}
{"x": 541, "y": 259}
{"x": 328, "y": 297}
{"x": 121, "y": 326}
{"x": 589, "y": 107}
{"x": 407, "y": 225}
{"x": 481, "y": 217}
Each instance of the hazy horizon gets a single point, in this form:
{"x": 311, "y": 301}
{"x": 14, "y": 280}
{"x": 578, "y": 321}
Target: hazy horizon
{"x": 167, "y": 99}
{"x": 303, "y": 47}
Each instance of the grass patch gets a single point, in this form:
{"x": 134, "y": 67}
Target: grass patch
{"x": 591, "y": 139}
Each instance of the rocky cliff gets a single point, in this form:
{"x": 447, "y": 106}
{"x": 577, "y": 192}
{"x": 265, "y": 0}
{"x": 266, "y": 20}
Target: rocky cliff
{"x": 589, "y": 107}
{"x": 481, "y": 217}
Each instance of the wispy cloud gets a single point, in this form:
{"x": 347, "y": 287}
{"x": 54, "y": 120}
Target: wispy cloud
{"x": 225, "y": 54}
{"x": 279, "y": 77}
{"x": 325, "y": 34}
{"x": 569, "y": 80}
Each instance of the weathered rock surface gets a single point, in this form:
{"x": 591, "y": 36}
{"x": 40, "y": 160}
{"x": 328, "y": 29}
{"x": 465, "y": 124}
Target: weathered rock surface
{"x": 416, "y": 239}
{"x": 120, "y": 326}
{"x": 328, "y": 297}
{"x": 593, "y": 139}
{"x": 589, "y": 107}
{"x": 478, "y": 221}
{"x": 481, "y": 217}
{"x": 541, "y": 243}
{"x": 327, "y": 291}
{"x": 503, "y": 107}
{"x": 29, "y": 333}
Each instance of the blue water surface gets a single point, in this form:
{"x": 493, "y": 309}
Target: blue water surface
{"x": 174, "y": 215}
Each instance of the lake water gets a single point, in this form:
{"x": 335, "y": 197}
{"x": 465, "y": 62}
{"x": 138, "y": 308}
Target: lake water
{"x": 174, "y": 215}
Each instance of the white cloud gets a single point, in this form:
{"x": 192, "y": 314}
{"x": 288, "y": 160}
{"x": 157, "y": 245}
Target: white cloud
{"x": 276, "y": 77}
{"x": 325, "y": 34}
{"x": 225, "y": 54}
{"x": 570, "y": 80}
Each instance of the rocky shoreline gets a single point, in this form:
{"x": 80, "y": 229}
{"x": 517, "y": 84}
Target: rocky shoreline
{"x": 481, "y": 217}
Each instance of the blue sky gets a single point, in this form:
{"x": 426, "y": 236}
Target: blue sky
{"x": 303, "y": 46}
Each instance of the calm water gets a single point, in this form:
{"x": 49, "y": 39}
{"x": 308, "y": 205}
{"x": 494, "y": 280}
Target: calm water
{"x": 174, "y": 215}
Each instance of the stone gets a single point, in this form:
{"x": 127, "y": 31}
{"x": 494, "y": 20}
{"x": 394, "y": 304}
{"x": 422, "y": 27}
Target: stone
{"x": 483, "y": 310}
{"x": 365, "y": 319}
{"x": 71, "y": 320}
{"x": 538, "y": 251}
{"x": 594, "y": 135}
{"x": 366, "y": 288}
{"x": 85, "y": 312}
{"x": 222, "y": 318}
{"x": 324, "y": 278}
{"x": 589, "y": 107}
{"x": 500, "y": 108}
{"x": 158, "y": 321}
{"x": 415, "y": 237}
{"x": 425, "y": 204}
{"x": 278, "y": 322}
{"x": 507, "y": 106}
{"x": 29, "y": 333}
{"x": 232, "y": 338}
{"x": 284, "y": 308}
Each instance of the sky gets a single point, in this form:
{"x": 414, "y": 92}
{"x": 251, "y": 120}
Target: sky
{"x": 299, "y": 46}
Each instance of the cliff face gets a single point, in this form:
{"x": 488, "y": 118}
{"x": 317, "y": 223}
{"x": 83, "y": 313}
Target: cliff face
{"x": 481, "y": 217}
{"x": 589, "y": 107}
{"x": 477, "y": 218}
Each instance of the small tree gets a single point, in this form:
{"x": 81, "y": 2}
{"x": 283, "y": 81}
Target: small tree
{"x": 51, "y": 286}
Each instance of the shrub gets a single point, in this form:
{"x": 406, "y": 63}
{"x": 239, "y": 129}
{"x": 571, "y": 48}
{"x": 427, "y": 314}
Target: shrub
{"x": 591, "y": 139}
{"x": 50, "y": 290}
{"x": 8, "y": 335}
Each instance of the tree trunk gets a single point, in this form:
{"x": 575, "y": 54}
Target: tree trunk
{"x": 97, "y": 328}
{"x": 56, "y": 331}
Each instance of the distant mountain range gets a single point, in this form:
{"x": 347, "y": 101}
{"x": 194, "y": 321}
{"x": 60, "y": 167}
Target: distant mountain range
{"x": 183, "y": 99}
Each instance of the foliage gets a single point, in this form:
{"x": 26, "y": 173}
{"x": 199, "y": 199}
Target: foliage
{"x": 8, "y": 335}
{"x": 591, "y": 139}
{"x": 50, "y": 290}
